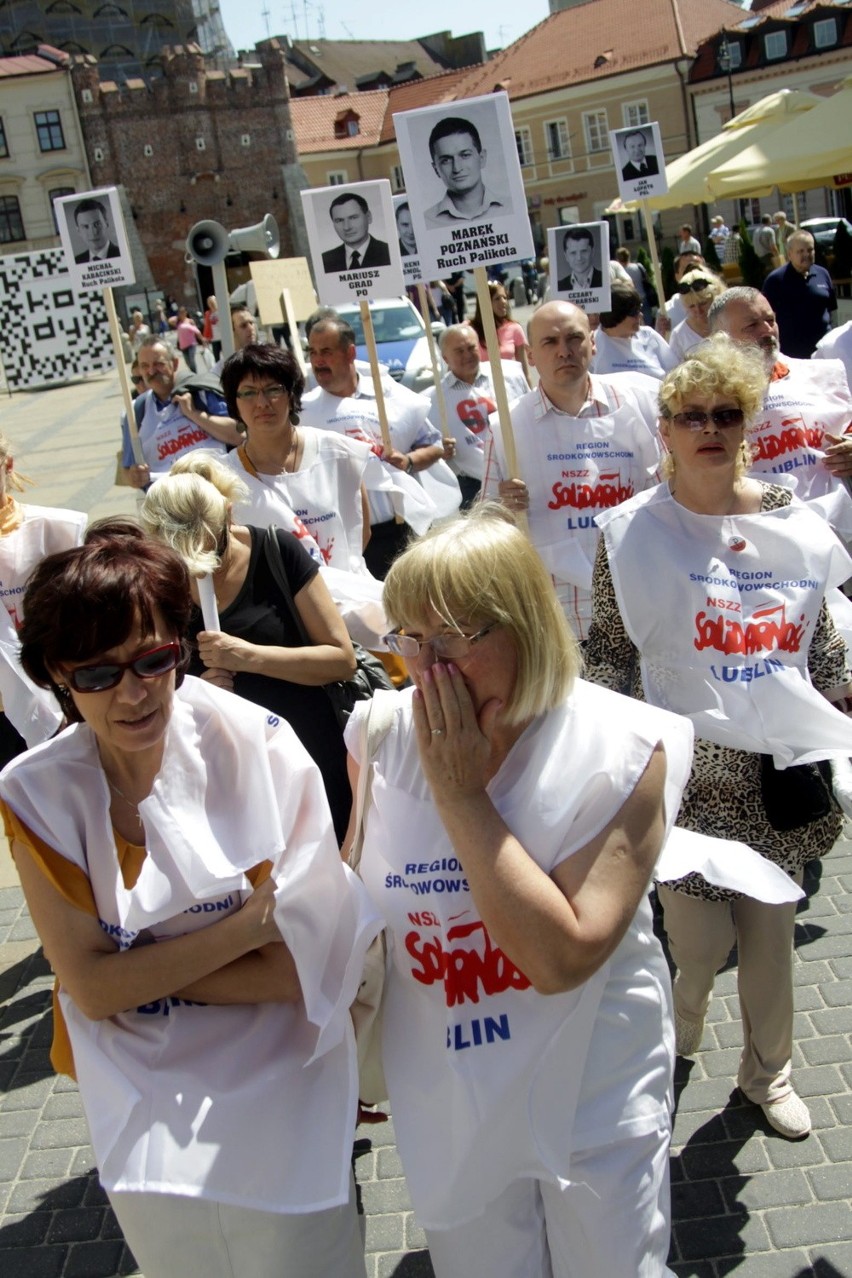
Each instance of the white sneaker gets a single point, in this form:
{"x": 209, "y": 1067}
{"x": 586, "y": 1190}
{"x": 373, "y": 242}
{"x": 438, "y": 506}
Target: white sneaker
{"x": 688, "y": 1035}
{"x": 789, "y": 1117}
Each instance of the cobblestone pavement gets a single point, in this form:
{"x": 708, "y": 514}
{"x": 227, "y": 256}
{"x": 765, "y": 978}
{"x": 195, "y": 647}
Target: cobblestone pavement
{"x": 744, "y": 1199}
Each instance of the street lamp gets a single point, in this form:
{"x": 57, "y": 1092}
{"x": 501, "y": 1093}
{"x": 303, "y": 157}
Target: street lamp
{"x": 725, "y": 61}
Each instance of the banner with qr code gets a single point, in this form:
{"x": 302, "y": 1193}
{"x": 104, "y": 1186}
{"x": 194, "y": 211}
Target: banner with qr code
{"x": 50, "y": 333}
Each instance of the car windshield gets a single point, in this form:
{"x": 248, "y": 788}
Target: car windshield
{"x": 390, "y": 324}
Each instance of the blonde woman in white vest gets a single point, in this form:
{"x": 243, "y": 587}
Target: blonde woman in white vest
{"x": 516, "y": 816}
{"x": 709, "y": 600}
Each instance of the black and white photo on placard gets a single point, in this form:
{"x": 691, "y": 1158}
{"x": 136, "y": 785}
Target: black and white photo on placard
{"x": 353, "y": 240}
{"x": 407, "y": 240}
{"x": 91, "y": 227}
{"x": 579, "y": 264}
{"x": 464, "y": 184}
{"x": 639, "y": 161}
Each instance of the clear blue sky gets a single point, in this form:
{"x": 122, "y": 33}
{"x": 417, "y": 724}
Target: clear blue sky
{"x": 502, "y": 21}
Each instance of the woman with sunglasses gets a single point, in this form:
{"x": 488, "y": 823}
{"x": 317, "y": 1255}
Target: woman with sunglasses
{"x": 623, "y": 344}
{"x": 178, "y": 860}
{"x": 697, "y": 290}
{"x": 516, "y": 816}
{"x": 709, "y": 600}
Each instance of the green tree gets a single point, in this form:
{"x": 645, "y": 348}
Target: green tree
{"x": 711, "y": 257}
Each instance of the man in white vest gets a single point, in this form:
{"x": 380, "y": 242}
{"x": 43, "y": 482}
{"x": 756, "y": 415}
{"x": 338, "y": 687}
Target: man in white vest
{"x": 468, "y": 388}
{"x": 345, "y": 400}
{"x": 583, "y": 444}
{"x": 807, "y": 412}
{"x": 175, "y": 415}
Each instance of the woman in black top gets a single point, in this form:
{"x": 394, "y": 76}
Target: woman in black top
{"x": 259, "y": 652}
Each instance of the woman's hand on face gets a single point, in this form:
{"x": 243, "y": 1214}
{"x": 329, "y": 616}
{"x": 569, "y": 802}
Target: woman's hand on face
{"x": 225, "y": 652}
{"x": 454, "y": 743}
{"x": 258, "y": 915}
{"x": 219, "y": 678}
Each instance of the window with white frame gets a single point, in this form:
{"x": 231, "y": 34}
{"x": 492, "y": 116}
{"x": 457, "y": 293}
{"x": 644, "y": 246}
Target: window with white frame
{"x": 596, "y": 129}
{"x": 397, "y": 178}
{"x": 730, "y": 54}
{"x": 557, "y": 140}
{"x": 825, "y": 33}
{"x": 337, "y": 178}
{"x": 634, "y": 114}
{"x": 775, "y": 45}
{"x": 523, "y": 141}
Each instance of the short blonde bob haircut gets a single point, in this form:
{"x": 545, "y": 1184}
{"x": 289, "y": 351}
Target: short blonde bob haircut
{"x": 190, "y": 510}
{"x": 717, "y": 368}
{"x": 714, "y": 286}
{"x": 479, "y": 569}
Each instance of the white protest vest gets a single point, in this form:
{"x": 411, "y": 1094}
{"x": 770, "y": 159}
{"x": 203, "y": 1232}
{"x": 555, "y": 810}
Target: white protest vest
{"x": 722, "y": 610}
{"x": 33, "y": 711}
{"x": 357, "y": 417}
{"x": 333, "y": 476}
{"x": 188, "y": 1098}
{"x": 575, "y": 468}
{"x": 489, "y": 1080}
{"x": 165, "y": 434}
{"x": 788, "y": 435}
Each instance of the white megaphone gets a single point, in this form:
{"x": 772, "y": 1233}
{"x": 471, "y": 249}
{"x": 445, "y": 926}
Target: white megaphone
{"x": 263, "y": 237}
{"x": 207, "y": 243}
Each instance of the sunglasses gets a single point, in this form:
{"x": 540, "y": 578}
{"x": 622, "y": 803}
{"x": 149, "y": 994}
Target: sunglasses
{"x": 694, "y": 286}
{"x": 148, "y": 665}
{"x": 695, "y": 419}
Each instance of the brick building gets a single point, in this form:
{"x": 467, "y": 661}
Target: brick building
{"x": 197, "y": 143}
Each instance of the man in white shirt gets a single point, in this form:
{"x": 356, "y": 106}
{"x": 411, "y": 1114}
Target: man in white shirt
{"x": 345, "y": 401}
{"x": 801, "y": 430}
{"x": 583, "y": 445}
{"x": 468, "y": 388}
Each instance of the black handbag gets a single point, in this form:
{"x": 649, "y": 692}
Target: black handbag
{"x": 795, "y": 796}
{"x": 370, "y": 674}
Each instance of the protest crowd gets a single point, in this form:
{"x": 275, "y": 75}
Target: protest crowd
{"x": 346, "y": 779}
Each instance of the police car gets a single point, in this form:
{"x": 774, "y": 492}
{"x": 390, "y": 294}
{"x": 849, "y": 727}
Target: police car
{"x": 401, "y": 339}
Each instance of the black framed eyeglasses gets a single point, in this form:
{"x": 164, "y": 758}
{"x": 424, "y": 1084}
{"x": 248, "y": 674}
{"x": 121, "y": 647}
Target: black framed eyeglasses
{"x": 445, "y": 647}
{"x": 697, "y": 419}
{"x": 148, "y": 665}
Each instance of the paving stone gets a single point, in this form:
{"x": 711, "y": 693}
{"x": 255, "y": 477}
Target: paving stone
{"x": 724, "y": 1159}
{"x": 385, "y": 1233}
{"x": 415, "y": 1237}
{"x": 45, "y": 1195}
{"x": 838, "y": 993}
{"x": 17, "y": 1122}
{"x": 767, "y": 1189}
{"x": 380, "y": 1196}
{"x": 399, "y": 1265}
{"x": 831, "y": 1181}
{"x": 32, "y": 1262}
{"x": 46, "y": 1163}
{"x": 837, "y": 1144}
{"x": 697, "y": 1199}
{"x": 63, "y": 1105}
{"x": 93, "y": 1260}
{"x": 65, "y": 1133}
{"x": 11, "y": 1153}
{"x": 24, "y": 1231}
{"x": 388, "y": 1165}
{"x": 823, "y": 1080}
{"x": 826, "y": 1051}
{"x": 834, "y": 1020}
{"x": 809, "y": 1224}
{"x": 833, "y": 1260}
{"x": 29, "y": 1094}
{"x": 731, "y": 1235}
{"x": 75, "y": 1224}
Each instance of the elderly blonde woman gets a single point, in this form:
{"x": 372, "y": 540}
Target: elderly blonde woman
{"x": 709, "y": 600}
{"x": 272, "y": 648}
{"x": 516, "y": 816}
{"x": 697, "y": 290}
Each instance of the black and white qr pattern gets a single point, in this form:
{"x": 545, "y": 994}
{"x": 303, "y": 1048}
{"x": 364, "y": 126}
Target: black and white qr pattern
{"x": 50, "y": 333}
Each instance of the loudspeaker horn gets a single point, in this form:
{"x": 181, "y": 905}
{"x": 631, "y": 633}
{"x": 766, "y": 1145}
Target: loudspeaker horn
{"x": 263, "y": 237}
{"x": 207, "y": 243}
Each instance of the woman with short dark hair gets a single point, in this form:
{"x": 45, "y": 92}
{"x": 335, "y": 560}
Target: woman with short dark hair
{"x": 177, "y": 857}
{"x": 623, "y": 344}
